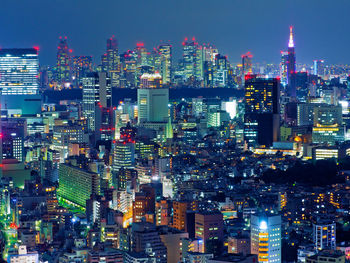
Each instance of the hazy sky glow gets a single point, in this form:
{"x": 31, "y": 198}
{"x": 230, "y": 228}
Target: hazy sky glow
{"x": 234, "y": 26}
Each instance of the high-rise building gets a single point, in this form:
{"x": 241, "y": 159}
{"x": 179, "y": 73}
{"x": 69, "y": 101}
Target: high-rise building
{"x": 152, "y": 102}
{"x": 141, "y": 54}
{"x": 327, "y": 126}
{"x": 291, "y": 69}
{"x": 81, "y": 66}
{"x": 209, "y": 227}
{"x": 113, "y": 61}
{"x": 96, "y": 93}
{"x": 123, "y": 154}
{"x": 324, "y": 235}
{"x": 13, "y": 134}
{"x": 247, "y": 65}
{"x": 77, "y": 184}
{"x": 63, "y": 65}
{"x": 192, "y": 59}
{"x": 151, "y": 81}
{"x": 19, "y": 71}
{"x": 261, "y": 118}
{"x": 165, "y": 52}
{"x": 284, "y": 68}
{"x": 319, "y": 68}
{"x": 265, "y": 234}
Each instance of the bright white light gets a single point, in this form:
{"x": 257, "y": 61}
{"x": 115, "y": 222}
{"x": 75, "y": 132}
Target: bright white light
{"x": 263, "y": 225}
{"x": 231, "y": 108}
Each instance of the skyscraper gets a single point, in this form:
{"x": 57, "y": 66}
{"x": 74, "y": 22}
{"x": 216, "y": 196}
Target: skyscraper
{"x": 261, "y": 118}
{"x": 19, "y": 69}
{"x": 247, "y": 66}
{"x": 284, "y": 68}
{"x": 319, "y": 68}
{"x": 192, "y": 59}
{"x": 152, "y": 101}
{"x": 291, "y": 91}
{"x": 113, "y": 61}
{"x": 63, "y": 65}
{"x": 165, "y": 52}
{"x": 81, "y": 66}
{"x": 265, "y": 234}
{"x": 96, "y": 92}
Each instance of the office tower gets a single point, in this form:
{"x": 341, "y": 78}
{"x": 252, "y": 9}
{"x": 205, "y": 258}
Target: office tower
{"x": 66, "y": 135}
{"x": 209, "y": 227}
{"x": 247, "y": 65}
{"x": 13, "y": 132}
{"x": 284, "y": 68}
{"x": 327, "y": 125}
{"x": 220, "y": 76}
{"x": 63, "y": 64}
{"x": 19, "y": 71}
{"x": 291, "y": 69}
{"x": 151, "y": 81}
{"x": 129, "y": 64}
{"x": 265, "y": 235}
{"x": 77, "y": 184}
{"x": 113, "y": 61}
{"x": 319, "y": 68}
{"x": 123, "y": 154}
{"x": 192, "y": 59}
{"x": 141, "y": 54}
{"x": 324, "y": 235}
{"x": 144, "y": 203}
{"x": 261, "y": 118}
{"x": 165, "y": 53}
{"x": 96, "y": 93}
{"x": 180, "y": 209}
{"x": 81, "y": 66}
{"x": 152, "y": 102}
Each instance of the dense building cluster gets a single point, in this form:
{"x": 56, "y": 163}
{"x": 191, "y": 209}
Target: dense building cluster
{"x": 258, "y": 172}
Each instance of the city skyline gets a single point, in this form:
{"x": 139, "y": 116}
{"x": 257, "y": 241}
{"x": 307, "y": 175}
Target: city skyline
{"x": 234, "y": 27}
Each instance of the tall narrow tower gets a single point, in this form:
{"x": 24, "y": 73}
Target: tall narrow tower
{"x": 63, "y": 65}
{"x": 291, "y": 65}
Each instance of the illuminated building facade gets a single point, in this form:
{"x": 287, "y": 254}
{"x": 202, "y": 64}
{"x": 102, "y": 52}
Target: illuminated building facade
{"x": 192, "y": 59}
{"x": 324, "y": 235}
{"x": 261, "y": 118}
{"x": 152, "y": 104}
{"x": 63, "y": 65}
{"x": 113, "y": 61}
{"x": 327, "y": 126}
{"x": 165, "y": 52}
{"x": 319, "y": 68}
{"x": 77, "y": 185}
{"x": 123, "y": 154}
{"x": 247, "y": 65}
{"x": 19, "y": 69}
{"x": 209, "y": 227}
{"x": 291, "y": 69}
{"x": 81, "y": 66}
{"x": 284, "y": 68}
{"x": 265, "y": 234}
{"x": 96, "y": 93}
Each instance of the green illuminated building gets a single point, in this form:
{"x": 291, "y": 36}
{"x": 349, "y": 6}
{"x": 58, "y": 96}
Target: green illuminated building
{"x": 76, "y": 185}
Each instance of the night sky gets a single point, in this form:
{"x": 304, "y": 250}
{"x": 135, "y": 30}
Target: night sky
{"x": 234, "y": 26}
